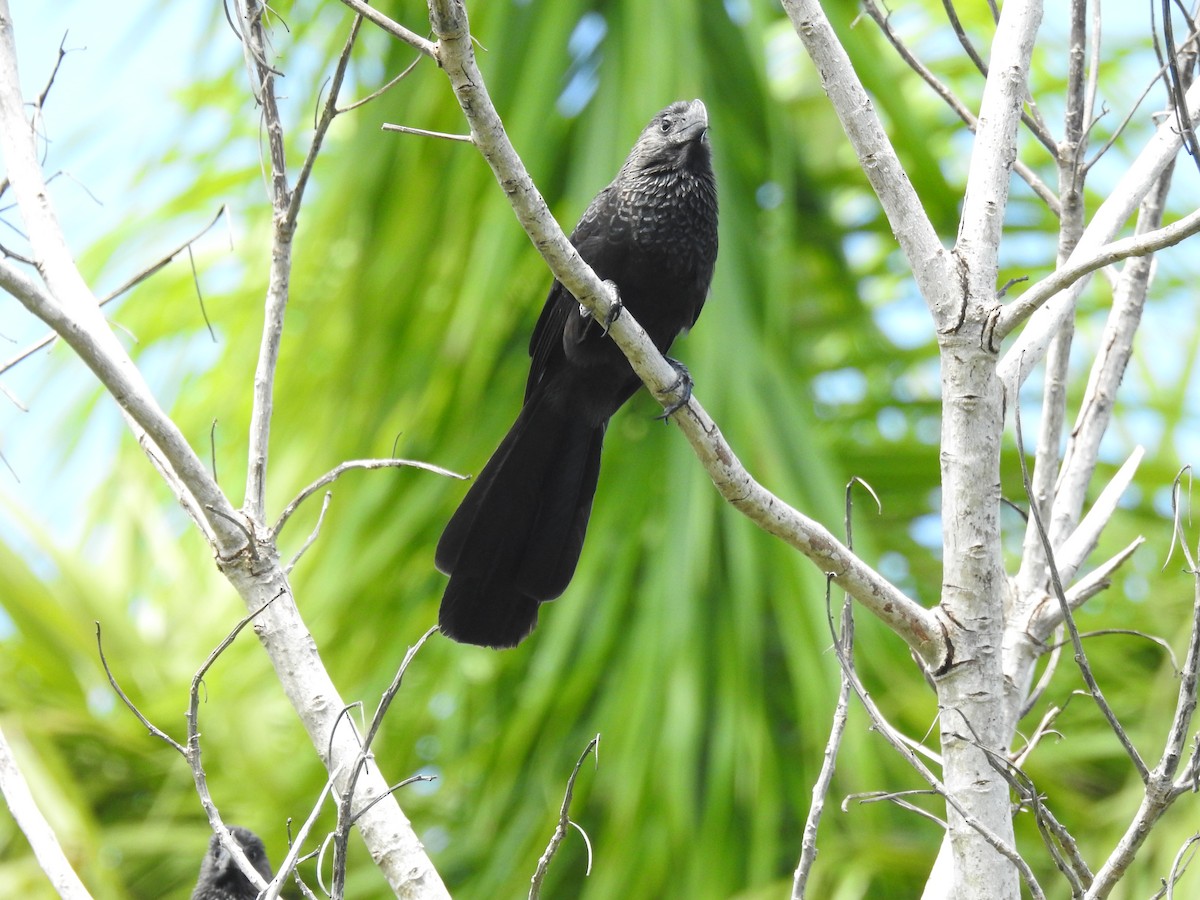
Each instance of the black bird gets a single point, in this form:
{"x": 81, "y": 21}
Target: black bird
{"x": 221, "y": 879}
{"x": 515, "y": 539}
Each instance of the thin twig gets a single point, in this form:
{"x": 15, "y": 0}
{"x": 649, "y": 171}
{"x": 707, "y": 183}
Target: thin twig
{"x": 122, "y": 289}
{"x": 312, "y": 535}
{"x": 342, "y": 468}
{"x": 564, "y": 820}
{"x": 897, "y": 799}
{"x": 193, "y": 754}
{"x": 1161, "y": 643}
{"x": 1137, "y": 245}
{"x": 346, "y": 801}
{"x": 405, "y": 129}
{"x": 29, "y": 818}
{"x": 1179, "y": 865}
{"x": 1081, "y": 660}
{"x": 820, "y": 790}
{"x": 383, "y": 90}
{"x": 329, "y": 112}
{"x": 395, "y": 29}
{"x": 150, "y": 726}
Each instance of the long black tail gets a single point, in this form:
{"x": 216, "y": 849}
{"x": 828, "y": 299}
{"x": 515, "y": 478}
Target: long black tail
{"x": 515, "y": 539}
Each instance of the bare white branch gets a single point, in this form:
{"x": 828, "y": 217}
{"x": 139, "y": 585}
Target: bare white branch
{"x": 37, "y": 830}
{"x": 1112, "y": 214}
{"x": 931, "y": 264}
{"x": 1075, "y": 549}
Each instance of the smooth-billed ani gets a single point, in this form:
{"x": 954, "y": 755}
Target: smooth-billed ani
{"x": 221, "y": 879}
{"x": 516, "y": 538}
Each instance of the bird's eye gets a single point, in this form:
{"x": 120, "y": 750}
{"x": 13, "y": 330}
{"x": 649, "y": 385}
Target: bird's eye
{"x": 665, "y": 125}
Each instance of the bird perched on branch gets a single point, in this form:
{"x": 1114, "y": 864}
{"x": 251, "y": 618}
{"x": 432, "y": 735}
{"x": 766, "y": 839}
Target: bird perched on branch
{"x": 221, "y": 879}
{"x": 515, "y": 539}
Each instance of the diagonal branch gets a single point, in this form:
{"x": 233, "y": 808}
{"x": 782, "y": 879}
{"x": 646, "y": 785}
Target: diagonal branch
{"x": 1082, "y": 264}
{"x": 1081, "y": 660}
{"x": 31, "y": 821}
{"x": 1044, "y": 322}
{"x": 124, "y": 287}
{"x": 1028, "y": 175}
{"x": 564, "y": 820}
{"x": 931, "y": 264}
{"x": 395, "y": 29}
{"x": 339, "y": 470}
{"x": 68, "y": 306}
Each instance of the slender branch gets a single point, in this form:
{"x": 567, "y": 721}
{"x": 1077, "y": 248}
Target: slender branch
{"x": 1050, "y": 286}
{"x": 1081, "y": 660}
{"x": 1112, "y": 214}
{"x": 153, "y": 729}
{"x": 312, "y": 536}
{"x": 564, "y": 821}
{"x": 346, "y": 814}
{"x": 328, "y": 113}
{"x": 1098, "y": 578}
{"x": 262, "y": 84}
{"x": 383, "y": 90}
{"x": 820, "y": 790}
{"x": 1027, "y": 174}
{"x": 341, "y": 469}
{"x": 932, "y": 266}
{"x": 422, "y": 132}
{"x": 1075, "y": 549}
{"x": 37, "y": 830}
{"x": 897, "y": 798}
{"x": 128, "y": 285}
{"x": 69, "y": 307}
{"x": 395, "y": 29}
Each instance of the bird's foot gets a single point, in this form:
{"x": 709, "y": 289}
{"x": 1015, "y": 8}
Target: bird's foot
{"x": 681, "y": 389}
{"x": 614, "y": 311}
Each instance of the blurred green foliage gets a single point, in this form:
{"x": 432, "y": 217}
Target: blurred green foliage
{"x": 694, "y": 644}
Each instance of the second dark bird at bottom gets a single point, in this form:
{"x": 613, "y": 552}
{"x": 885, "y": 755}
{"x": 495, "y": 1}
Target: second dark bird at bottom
{"x": 221, "y": 879}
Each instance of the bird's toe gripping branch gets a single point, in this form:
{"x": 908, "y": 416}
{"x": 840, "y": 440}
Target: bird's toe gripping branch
{"x": 681, "y": 389}
{"x": 614, "y": 311}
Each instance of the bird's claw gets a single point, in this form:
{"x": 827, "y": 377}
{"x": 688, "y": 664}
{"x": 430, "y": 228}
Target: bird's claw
{"x": 681, "y": 388}
{"x": 613, "y": 313}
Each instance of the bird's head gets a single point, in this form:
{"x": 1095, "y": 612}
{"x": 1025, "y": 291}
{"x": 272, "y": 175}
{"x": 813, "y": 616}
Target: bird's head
{"x": 676, "y": 138}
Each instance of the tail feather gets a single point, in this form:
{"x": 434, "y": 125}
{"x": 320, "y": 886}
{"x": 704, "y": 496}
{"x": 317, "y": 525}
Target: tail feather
{"x": 515, "y": 540}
